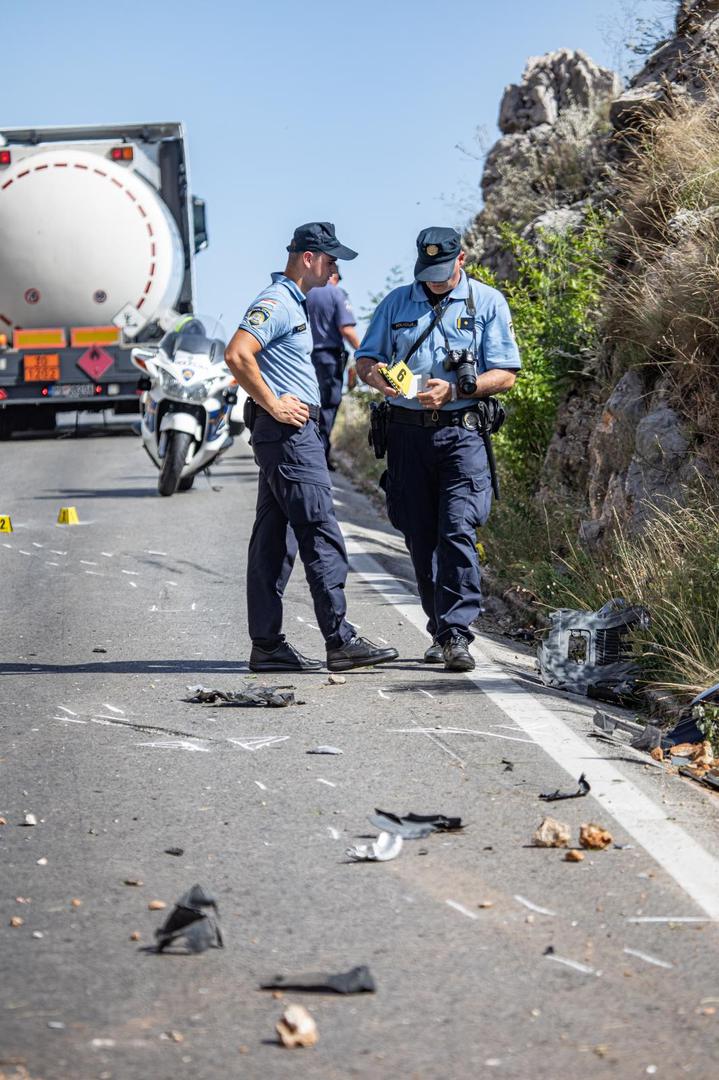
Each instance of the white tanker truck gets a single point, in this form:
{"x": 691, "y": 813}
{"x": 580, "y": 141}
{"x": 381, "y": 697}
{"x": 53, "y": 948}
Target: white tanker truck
{"x": 97, "y": 238}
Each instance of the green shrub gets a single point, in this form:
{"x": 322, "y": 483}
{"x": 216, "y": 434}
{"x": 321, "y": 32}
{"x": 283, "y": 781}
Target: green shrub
{"x": 554, "y": 301}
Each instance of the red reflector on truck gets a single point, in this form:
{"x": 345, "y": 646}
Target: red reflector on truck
{"x": 122, "y": 153}
{"x": 5, "y": 157}
{"x": 53, "y": 338}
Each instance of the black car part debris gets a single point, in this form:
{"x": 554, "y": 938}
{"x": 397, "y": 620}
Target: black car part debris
{"x": 687, "y": 728}
{"x": 413, "y": 826}
{"x": 194, "y": 918}
{"x": 583, "y": 788}
{"x": 274, "y": 697}
{"x": 589, "y": 652}
{"x": 357, "y": 981}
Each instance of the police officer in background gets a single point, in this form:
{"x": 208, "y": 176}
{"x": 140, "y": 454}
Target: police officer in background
{"x": 438, "y": 483}
{"x": 270, "y": 356}
{"x": 332, "y": 321}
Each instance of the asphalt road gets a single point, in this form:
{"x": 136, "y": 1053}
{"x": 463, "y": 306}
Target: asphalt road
{"x": 101, "y": 748}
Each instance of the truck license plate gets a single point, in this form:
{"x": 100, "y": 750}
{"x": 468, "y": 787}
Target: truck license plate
{"x": 76, "y": 390}
{"x": 41, "y": 367}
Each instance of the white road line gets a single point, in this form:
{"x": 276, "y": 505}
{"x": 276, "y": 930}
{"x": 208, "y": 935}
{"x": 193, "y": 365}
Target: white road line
{"x": 574, "y": 964}
{"x": 647, "y": 958}
{"x": 462, "y": 909}
{"x": 532, "y": 906}
{"x": 693, "y": 868}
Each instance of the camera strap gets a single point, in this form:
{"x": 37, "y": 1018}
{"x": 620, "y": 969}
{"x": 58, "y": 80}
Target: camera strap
{"x": 436, "y": 318}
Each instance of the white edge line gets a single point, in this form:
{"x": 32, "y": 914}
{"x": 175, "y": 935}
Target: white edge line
{"x": 462, "y": 909}
{"x": 694, "y": 869}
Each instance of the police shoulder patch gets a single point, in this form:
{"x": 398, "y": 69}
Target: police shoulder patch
{"x": 256, "y": 316}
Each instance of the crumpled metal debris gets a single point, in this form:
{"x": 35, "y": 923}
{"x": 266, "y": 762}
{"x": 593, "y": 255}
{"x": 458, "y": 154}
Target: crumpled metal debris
{"x": 648, "y": 739}
{"x": 552, "y": 833}
{"x": 387, "y": 846}
{"x": 356, "y": 981}
{"x": 274, "y": 697}
{"x": 296, "y": 1027}
{"x": 594, "y": 837}
{"x": 583, "y": 788}
{"x": 192, "y": 919}
{"x": 413, "y": 826}
{"x": 589, "y": 652}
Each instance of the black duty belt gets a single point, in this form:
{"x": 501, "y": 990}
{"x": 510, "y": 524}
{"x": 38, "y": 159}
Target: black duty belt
{"x": 314, "y": 411}
{"x": 433, "y": 418}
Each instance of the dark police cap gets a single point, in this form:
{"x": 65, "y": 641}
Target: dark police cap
{"x": 320, "y": 236}
{"x": 437, "y": 250}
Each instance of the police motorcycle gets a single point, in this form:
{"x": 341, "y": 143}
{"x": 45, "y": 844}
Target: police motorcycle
{"x": 188, "y": 393}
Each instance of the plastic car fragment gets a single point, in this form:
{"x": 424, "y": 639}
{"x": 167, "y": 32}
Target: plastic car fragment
{"x": 194, "y": 918}
{"x": 356, "y": 981}
{"x": 387, "y": 846}
{"x": 583, "y": 788}
{"x": 413, "y": 826}
{"x": 274, "y": 697}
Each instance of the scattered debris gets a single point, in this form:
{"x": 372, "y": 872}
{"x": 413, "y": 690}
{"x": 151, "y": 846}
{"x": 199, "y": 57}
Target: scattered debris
{"x": 583, "y": 788}
{"x": 16, "y": 920}
{"x": 3, "y": 821}
{"x": 336, "y": 680}
{"x": 135, "y": 936}
{"x": 648, "y": 739}
{"x": 594, "y": 836}
{"x": 192, "y": 920}
{"x": 274, "y": 697}
{"x": 133, "y": 881}
{"x": 574, "y": 856}
{"x": 532, "y": 906}
{"x": 485, "y": 904}
{"x": 42, "y": 861}
{"x": 508, "y": 765}
{"x": 413, "y": 826}
{"x": 297, "y": 1027}
{"x": 56, "y": 1025}
{"x": 387, "y": 846}
{"x": 657, "y": 753}
{"x": 552, "y": 833}
{"x": 37, "y": 934}
{"x": 99, "y": 649}
{"x": 174, "y": 851}
{"x": 75, "y": 902}
{"x": 29, "y": 819}
{"x": 649, "y": 959}
{"x": 356, "y": 981}
{"x": 589, "y": 652}
{"x": 173, "y": 1036}
{"x": 608, "y": 724}
{"x": 325, "y": 750}
{"x": 156, "y": 905}
{"x": 574, "y": 964}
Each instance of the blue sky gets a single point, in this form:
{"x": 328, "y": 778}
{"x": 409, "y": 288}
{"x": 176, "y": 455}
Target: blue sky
{"x": 351, "y": 113}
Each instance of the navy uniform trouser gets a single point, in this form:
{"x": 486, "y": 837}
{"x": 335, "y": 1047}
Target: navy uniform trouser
{"x": 438, "y": 494}
{"x": 329, "y": 366}
{"x": 294, "y": 512}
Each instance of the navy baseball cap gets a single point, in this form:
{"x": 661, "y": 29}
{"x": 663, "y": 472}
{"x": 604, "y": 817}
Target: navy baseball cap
{"x": 437, "y": 250}
{"x": 320, "y": 236}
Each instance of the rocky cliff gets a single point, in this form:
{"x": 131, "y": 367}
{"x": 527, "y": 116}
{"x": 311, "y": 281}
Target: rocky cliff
{"x": 570, "y": 133}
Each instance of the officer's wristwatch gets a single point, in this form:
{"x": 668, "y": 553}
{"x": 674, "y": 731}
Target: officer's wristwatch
{"x": 453, "y": 391}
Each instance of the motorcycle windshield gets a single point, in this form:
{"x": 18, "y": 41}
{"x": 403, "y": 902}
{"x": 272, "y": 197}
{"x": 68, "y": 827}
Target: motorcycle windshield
{"x": 200, "y": 336}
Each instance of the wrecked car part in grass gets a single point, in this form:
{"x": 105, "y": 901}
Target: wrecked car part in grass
{"x": 413, "y": 826}
{"x": 358, "y": 980}
{"x": 583, "y": 788}
{"x": 296, "y": 1027}
{"x": 387, "y": 846}
{"x": 273, "y": 697}
{"x": 552, "y": 833}
{"x": 590, "y": 652}
{"x": 194, "y": 918}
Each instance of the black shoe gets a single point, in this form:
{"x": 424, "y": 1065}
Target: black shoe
{"x": 456, "y": 654}
{"x": 284, "y": 658}
{"x": 434, "y": 654}
{"x": 358, "y": 652}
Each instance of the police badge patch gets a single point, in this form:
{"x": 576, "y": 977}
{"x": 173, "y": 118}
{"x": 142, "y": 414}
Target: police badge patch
{"x": 258, "y": 315}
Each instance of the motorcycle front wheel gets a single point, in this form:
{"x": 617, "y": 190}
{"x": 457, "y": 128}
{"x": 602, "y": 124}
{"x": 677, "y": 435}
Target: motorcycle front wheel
{"x": 178, "y": 443}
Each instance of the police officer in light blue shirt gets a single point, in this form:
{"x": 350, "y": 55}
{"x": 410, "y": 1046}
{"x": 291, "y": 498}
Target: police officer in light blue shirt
{"x": 270, "y": 356}
{"x": 457, "y": 338}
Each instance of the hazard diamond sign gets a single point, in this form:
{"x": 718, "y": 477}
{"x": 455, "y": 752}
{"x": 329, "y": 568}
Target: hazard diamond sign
{"x": 95, "y": 361}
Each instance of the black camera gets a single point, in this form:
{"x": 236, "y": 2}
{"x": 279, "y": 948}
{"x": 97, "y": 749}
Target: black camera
{"x": 462, "y": 361}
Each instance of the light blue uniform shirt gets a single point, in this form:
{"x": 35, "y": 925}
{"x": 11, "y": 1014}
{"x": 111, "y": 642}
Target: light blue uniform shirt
{"x": 278, "y": 319}
{"x": 403, "y": 315}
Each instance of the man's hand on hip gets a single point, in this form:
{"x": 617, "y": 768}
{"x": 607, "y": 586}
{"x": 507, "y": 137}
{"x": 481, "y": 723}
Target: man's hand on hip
{"x": 288, "y": 409}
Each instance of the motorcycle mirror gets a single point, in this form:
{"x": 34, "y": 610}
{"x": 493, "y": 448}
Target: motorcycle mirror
{"x": 140, "y": 357}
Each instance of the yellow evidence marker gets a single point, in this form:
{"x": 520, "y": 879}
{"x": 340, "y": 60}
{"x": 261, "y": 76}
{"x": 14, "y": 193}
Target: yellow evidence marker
{"x": 68, "y": 516}
{"x": 5, "y": 523}
{"x": 399, "y": 376}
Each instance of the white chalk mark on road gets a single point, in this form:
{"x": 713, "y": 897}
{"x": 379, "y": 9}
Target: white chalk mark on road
{"x": 69, "y": 720}
{"x": 384, "y": 695}
{"x": 35, "y": 544}
{"x": 574, "y": 964}
{"x": 113, "y": 708}
{"x": 132, "y": 573}
{"x": 132, "y": 584}
{"x": 682, "y": 857}
{"x": 94, "y": 573}
{"x": 260, "y": 785}
{"x": 52, "y": 564}
{"x": 321, "y": 780}
{"x": 63, "y": 709}
{"x": 22, "y": 552}
{"x": 532, "y": 906}
{"x": 649, "y": 959}
{"x": 334, "y": 833}
{"x": 457, "y": 731}
{"x": 425, "y": 692}
{"x": 667, "y": 919}
{"x": 53, "y": 552}
{"x": 462, "y": 909}
{"x": 256, "y": 742}
{"x": 176, "y": 744}
{"x": 107, "y": 554}
{"x": 151, "y": 552}
{"x": 87, "y": 562}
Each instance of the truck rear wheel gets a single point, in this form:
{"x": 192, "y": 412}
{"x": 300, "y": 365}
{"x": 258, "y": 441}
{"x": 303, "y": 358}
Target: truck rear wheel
{"x": 178, "y": 443}
{"x": 6, "y": 425}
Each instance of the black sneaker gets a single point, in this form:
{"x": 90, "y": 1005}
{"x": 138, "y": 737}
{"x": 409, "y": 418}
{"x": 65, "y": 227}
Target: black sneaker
{"x": 456, "y": 654}
{"x": 284, "y": 658}
{"x": 434, "y": 654}
{"x": 358, "y": 652}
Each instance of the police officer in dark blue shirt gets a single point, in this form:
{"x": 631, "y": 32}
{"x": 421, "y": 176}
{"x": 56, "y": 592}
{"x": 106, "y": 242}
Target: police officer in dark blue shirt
{"x": 438, "y": 479}
{"x": 333, "y": 323}
{"x": 270, "y": 356}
